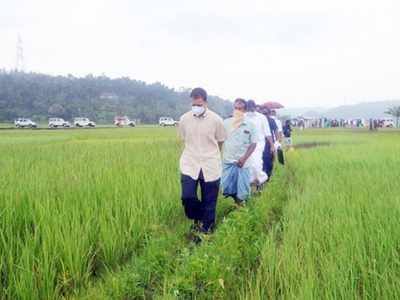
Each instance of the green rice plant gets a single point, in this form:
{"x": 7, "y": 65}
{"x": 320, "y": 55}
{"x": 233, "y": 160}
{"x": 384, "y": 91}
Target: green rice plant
{"x": 340, "y": 236}
{"x": 95, "y": 214}
{"x": 75, "y": 203}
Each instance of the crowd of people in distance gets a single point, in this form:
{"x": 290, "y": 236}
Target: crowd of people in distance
{"x": 249, "y": 141}
{"x": 303, "y": 123}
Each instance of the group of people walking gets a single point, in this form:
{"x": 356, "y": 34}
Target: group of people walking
{"x": 248, "y": 140}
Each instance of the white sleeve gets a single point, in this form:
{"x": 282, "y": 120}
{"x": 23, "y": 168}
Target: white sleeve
{"x": 265, "y": 126}
{"x": 279, "y": 125}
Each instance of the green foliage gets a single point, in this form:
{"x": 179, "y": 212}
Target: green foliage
{"x": 40, "y": 96}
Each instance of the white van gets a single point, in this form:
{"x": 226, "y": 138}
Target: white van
{"x": 167, "y": 121}
{"x": 83, "y": 122}
{"x": 24, "y": 123}
{"x": 58, "y": 122}
{"x": 388, "y": 123}
{"x": 122, "y": 121}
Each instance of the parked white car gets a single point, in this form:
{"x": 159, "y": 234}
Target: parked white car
{"x": 389, "y": 123}
{"x": 24, "y": 123}
{"x": 167, "y": 121}
{"x": 83, "y": 122}
{"x": 124, "y": 121}
{"x": 58, "y": 122}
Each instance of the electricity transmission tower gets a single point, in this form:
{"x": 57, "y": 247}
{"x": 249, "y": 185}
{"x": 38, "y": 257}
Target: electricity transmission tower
{"x": 19, "y": 63}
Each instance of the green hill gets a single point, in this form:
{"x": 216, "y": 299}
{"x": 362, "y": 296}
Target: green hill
{"x": 39, "y": 96}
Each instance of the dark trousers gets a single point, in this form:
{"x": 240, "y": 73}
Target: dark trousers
{"x": 200, "y": 210}
{"x": 268, "y": 160}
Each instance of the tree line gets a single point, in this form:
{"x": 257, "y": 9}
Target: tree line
{"x": 41, "y": 96}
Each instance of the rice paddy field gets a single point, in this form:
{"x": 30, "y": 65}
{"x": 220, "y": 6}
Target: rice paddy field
{"x": 96, "y": 214}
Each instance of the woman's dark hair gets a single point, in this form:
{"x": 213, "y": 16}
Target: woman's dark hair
{"x": 199, "y": 93}
{"x": 240, "y": 100}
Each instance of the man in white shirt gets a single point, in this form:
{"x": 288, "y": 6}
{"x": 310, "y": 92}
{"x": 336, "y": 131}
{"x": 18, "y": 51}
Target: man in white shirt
{"x": 263, "y": 135}
{"x": 202, "y": 132}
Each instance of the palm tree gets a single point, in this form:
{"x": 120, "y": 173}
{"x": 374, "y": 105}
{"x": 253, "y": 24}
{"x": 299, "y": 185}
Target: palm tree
{"x": 395, "y": 112}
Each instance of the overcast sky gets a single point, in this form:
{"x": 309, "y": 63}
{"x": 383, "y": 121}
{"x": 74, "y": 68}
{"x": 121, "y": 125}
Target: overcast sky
{"x": 302, "y": 53}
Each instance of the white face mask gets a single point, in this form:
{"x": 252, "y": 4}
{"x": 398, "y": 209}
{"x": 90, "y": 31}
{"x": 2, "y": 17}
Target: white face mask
{"x": 198, "y": 110}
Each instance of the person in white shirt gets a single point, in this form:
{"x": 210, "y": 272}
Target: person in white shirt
{"x": 280, "y": 128}
{"x": 263, "y": 134}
